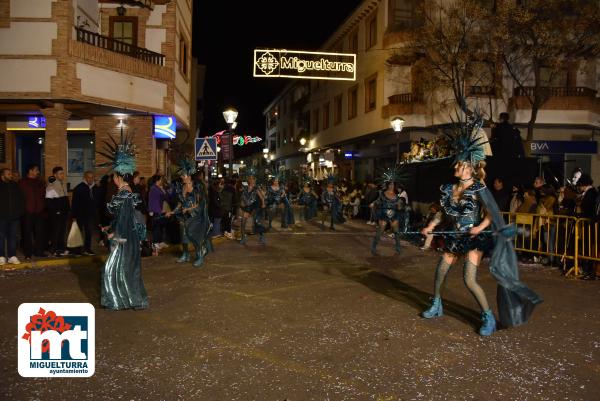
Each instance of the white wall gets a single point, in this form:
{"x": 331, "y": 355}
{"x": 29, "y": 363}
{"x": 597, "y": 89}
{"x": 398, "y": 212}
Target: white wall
{"x": 31, "y": 8}
{"x": 26, "y": 75}
{"x": 87, "y": 10}
{"x": 111, "y": 85}
{"x": 155, "y": 38}
{"x": 156, "y": 15}
{"x": 31, "y": 38}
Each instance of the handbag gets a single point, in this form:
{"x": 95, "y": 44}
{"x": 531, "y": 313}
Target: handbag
{"x": 75, "y": 239}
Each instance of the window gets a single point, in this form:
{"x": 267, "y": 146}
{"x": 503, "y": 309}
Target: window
{"x": 315, "y": 121}
{"x": 353, "y": 42}
{"x": 337, "y": 109}
{"x": 371, "y": 31}
{"x": 124, "y": 29}
{"x": 183, "y": 56}
{"x": 326, "y": 116}
{"x": 403, "y": 14}
{"x": 371, "y": 93}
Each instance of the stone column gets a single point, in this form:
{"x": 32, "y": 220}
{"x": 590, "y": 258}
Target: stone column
{"x": 55, "y": 142}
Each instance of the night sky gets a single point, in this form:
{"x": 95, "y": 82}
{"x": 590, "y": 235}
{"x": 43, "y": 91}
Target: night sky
{"x": 225, "y": 35}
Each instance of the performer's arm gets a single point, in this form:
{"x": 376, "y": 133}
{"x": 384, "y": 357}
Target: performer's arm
{"x": 485, "y": 223}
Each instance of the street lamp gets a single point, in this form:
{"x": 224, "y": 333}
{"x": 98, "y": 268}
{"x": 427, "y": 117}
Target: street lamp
{"x": 302, "y": 141}
{"x": 230, "y": 115}
{"x": 397, "y": 124}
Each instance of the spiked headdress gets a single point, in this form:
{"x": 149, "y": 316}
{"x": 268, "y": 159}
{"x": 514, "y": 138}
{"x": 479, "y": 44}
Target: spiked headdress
{"x": 187, "y": 166}
{"x": 121, "y": 156}
{"x": 395, "y": 175}
{"x": 332, "y": 179}
{"x": 467, "y": 139}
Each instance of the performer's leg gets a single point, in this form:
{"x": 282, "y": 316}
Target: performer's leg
{"x": 270, "y": 215}
{"x": 332, "y": 213}
{"x": 441, "y": 271}
{"x": 396, "y": 235}
{"x": 243, "y": 228}
{"x": 323, "y": 217}
{"x": 259, "y": 229}
{"x": 378, "y": 230}
{"x": 488, "y": 322}
{"x": 185, "y": 256}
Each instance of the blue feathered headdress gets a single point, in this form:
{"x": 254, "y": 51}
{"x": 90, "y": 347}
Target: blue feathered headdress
{"x": 187, "y": 166}
{"x": 121, "y": 156}
{"x": 332, "y": 179}
{"x": 467, "y": 140}
{"x": 395, "y": 175}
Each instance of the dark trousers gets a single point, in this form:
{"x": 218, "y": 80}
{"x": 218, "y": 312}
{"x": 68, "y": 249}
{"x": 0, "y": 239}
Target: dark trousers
{"x": 226, "y": 222}
{"x": 86, "y": 225}
{"x": 58, "y": 230}
{"x": 8, "y": 234}
{"x": 158, "y": 226}
{"x": 33, "y": 231}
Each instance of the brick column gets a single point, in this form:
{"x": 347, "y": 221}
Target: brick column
{"x": 141, "y": 127}
{"x": 55, "y": 142}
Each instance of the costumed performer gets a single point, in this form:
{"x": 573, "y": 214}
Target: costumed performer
{"x": 389, "y": 208}
{"x": 332, "y": 206}
{"x": 252, "y": 203}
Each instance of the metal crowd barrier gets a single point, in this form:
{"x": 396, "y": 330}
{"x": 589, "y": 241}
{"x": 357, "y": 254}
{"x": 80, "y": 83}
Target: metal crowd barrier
{"x": 565, "y": 238}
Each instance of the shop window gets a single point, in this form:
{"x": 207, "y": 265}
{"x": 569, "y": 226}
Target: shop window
{"x": 81, "y": 157}
{"x": 371, "y": 93}
{"x": 337, "y": 109}
{"x": 352, "y": 102}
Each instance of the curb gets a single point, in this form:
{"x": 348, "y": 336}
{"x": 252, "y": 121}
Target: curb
{"x": 81, "y": 260}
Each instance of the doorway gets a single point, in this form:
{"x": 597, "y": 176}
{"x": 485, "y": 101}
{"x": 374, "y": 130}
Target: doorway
{"x": 29, "y": 150}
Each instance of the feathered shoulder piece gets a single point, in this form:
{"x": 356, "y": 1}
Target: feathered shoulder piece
{"x": 467, "y": 139}
{"x": 121, "y": 156}
{"x": 187, "y": 166}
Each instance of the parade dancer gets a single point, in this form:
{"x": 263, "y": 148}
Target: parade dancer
{"x": 276, "y": 197}
{"x": 252, "y": 202}
{"x": 309, "y": 199}
{"x": 331, "y": 205}
{"x": 192, "y": 215}
{"x": 388, "y": 208}
{"x": 465, "y": 203}
{"x": 122, "y": 286}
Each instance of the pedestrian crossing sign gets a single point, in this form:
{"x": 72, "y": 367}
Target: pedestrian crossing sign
{"x": 206, "y": 148}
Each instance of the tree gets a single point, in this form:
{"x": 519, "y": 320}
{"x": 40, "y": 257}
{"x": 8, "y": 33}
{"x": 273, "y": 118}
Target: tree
{"x": 537, "y": 39}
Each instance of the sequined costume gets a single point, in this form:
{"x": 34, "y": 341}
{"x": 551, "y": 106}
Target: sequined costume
{"x": 309, "y": 201}
{"x": 122, "y": 285}
{"x": 465, "y": 214}
{"x": 332, "y": 209}
{"x": 195, "y": 225}
{"x": 275, "y": 197}
{"x": 387, "y": 209}
{"x": 251, "y": 203}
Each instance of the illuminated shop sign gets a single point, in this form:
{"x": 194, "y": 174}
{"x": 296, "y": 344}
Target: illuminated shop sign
{"x": 309, "y": 65}
{"x": 165, "y": 127}
{"x": 245, "y": 140}
{"x": 36, "y": 122}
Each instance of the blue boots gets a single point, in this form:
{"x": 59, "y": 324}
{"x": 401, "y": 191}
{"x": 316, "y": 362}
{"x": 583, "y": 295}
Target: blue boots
{"x": 199, "y": 260}
{"x": 435, "y": 310}
{"x": 185, "y": 257}
{"x": 488, "y": 323}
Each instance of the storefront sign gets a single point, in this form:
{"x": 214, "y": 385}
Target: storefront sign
{"x": 562, "y": 147}
{"x": 36, "y": 122}
{"x": 226, "y": 148}
{"x": 165, "y": 127}
{"x": 245, "y": 140}
{"x": 300, "y": 64}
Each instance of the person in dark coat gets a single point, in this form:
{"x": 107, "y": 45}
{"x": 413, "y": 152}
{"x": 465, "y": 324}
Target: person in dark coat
{"x": 33, "y": 224}
{"x": 84, "y": 209}
{"x": 501, "y": 194}
{"x": 506, "y": 140}
{"x": 215, "y": 207}
{"x": 11, "y": 210}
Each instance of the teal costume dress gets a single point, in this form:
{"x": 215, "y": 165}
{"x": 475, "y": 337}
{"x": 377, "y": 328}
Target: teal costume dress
{"x": 390, "y": 211}
{"x": 122, "y": 285}
{"x": 193, "y": 216}
{"x": 251, "y": 204}
{"x": 309, "y": 201}
{"x": 275, "y": 197}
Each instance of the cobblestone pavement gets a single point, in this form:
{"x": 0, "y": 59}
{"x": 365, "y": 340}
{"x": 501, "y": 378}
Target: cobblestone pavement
{"x": 312, "y": 316}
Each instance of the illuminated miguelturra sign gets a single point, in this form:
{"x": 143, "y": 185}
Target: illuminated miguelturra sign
{"x": 309, "y": 65}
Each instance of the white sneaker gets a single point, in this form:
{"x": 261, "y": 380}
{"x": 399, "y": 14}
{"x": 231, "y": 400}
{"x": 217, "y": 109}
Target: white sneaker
{"x": 13, "y": 260}
{"x": 162, "y": 245}
{"x": 2, "y": 260}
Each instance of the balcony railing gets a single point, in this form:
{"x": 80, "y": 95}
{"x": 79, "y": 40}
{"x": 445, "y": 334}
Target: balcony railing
{"x": 557, "y": 91}
{"x": 404, "y": 98}
{"x": 117, "y": 46}
{"x": 482, "y": 91}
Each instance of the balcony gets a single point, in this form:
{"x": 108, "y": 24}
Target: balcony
{"x": 107, "y": 43}
{"x": 559, "y": 98}
{"x": 403, "y": 103}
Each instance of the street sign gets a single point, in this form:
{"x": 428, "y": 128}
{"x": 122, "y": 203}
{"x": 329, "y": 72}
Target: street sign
{"x": 226, "y": 147}
{"x": 206, "y": 148}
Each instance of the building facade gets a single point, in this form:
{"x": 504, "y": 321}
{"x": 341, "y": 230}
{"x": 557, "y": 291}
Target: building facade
{"x": 76, "y": 72}
{"x": 346, "y": 124}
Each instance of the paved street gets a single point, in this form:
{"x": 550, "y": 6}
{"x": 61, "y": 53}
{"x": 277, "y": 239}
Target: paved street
{"x": 312, "y": 316}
